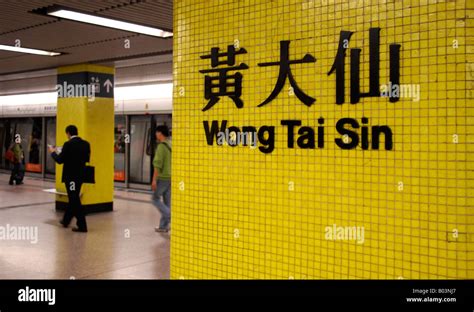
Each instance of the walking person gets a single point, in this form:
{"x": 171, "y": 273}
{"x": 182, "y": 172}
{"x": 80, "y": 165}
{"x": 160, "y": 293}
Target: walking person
{"x": 74, "y": 155}
{"x": 161, "y": 183}
{"x": 17, "y": 158}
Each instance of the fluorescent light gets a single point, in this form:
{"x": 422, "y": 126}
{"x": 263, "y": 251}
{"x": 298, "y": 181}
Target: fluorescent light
{"x": 27, "y": 50}
{"x": 29, "y": 99}
{"x": 108, "y": 22}
{"x": 153, "y": 91}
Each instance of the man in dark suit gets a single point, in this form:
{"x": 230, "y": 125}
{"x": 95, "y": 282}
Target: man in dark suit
{"x": 74, "y": 155}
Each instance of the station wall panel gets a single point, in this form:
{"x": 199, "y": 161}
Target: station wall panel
{"x": 323, "y": 212}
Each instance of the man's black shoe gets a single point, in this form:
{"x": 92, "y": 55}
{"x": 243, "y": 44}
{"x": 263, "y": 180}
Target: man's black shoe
{"x": 64, "y": 225}
{"x": 76, "y": 229}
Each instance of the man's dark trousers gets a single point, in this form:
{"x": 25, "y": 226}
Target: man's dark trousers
{"x": 74, "y": 208}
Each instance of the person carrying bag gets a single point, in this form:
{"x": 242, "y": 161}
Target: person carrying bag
{"x": 16, "y": 157}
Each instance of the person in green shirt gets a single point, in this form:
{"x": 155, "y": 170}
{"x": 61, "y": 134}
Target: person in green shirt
{"x": 18, "y": 158}
{"x": 161, "y": 182}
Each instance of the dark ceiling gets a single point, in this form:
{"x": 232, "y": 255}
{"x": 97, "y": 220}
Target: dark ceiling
{"x": 82, "y": 43}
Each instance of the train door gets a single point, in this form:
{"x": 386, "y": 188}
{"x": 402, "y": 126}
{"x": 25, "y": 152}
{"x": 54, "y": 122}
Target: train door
{"x": 30, "y": 131}
{"x": 3, "y": 144}
{"x": 50, "y": 139}
{"x": 140, "y": 151}
{"x": 120, "y": 141}
{"x": 8, "y": 137}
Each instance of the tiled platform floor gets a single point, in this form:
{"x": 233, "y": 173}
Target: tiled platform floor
{"x": 104, "y": 253}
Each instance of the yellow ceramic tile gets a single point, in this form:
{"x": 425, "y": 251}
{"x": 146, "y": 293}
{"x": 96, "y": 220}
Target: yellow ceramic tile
{"x": 240, "y": 213}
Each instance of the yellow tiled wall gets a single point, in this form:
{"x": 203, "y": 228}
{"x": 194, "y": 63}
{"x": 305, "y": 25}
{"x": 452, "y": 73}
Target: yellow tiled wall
{"x": 240, "y": 213}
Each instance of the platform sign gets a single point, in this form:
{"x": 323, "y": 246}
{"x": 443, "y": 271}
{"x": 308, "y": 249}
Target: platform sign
{"x": 322, "y": 139}
{"x": 85, "y": 84}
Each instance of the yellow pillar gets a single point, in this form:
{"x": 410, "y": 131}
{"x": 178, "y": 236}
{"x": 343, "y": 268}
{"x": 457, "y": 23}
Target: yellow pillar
{"x": 86, "y": 100}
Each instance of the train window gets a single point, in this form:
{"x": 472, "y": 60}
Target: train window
{"x": 149, "y": 144}
{"x": 159, "y": 120}
{"x": 164, "y": 119}
{"x": 30, "y": 132}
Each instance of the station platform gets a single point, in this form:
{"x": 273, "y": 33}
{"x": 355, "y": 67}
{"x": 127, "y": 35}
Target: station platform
{"x": 119, "y": 245}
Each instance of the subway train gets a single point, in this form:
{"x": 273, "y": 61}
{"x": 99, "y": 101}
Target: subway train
{"x": 138, "y": 110}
